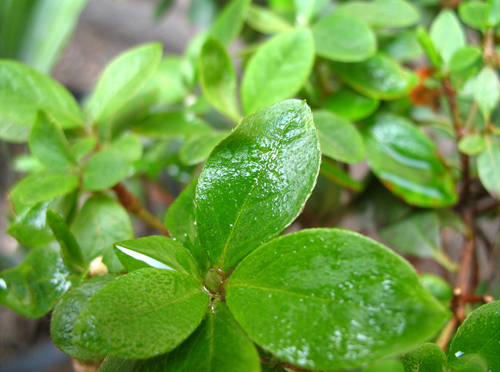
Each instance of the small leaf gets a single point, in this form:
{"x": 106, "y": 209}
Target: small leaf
{"x": 472, "y": 144}
{"x": 66, "y": 312}
{"x": 278, "y": 70}
{"x": 162, "y": 8}
{"x": 428, "y": 46}
{"x": 307, "y": 9}
{"x": 351, "y": 105}
{"x": 464, "y": 58}
{"x": 83, "y": 147}
{"x": 438, "y": 287}
{"x": 219, "y": 344}
{"x": 339, "y": 139}
{"x": 335, "y": 174}
{"x": 494, "y": 13}
{"x": 198, "y": 147}
{"x": 267, "y": 168}
{"x": 379, "y": 77}
{"x": 404, "y": 47}
{"x": 487, "y": 92}
{"x": 105, "y": 169}
{"x": 229, "y": 23}
{"x": 447, "y": 35}
{"x": 474, "y": 14}
{"x": 173, "y": 124}
{"x": 157, "y": 364}
{"x": 427, "y": 358}
{"x": 331, "y": 299}
{"x": 129, "y": 146}
{"x": 476, "y": 346}
{"x": 488, "y": 168}
{"x": 218, "y": 79}
{"x": 165, "y": 305}
{"x": 33, "y": 288}
{"x": 122, "y": 79}
{"x": 266, "y": 21}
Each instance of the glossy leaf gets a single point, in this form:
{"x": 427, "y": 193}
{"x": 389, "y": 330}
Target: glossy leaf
{"x": 487, "y": 92}
{"x": 351, "y": 105}
{"x": 122, "y": 79}
{"x": 100, "y": 223}
{"x": 278, "y": 70}
{"x": 218, "y": 79}
{"x": 406, "y": 162}
{"x": 379, "y": 77}
{"x": 23, "y": 92}
{"x": 447, "y": 35}
{"x": 165, "y": 305}
{"x": 181, "y": 222}
{"x": 157, "y": 364}
{"x": 33, "y": 288}
{"x": 428, "y": 46}
{"x": 266, "y": 21}
{"x": 267, "y": 168}
{"x": 66, "y": 312}
{"x": 105, "y": 169}
{"x": 229, "y": 23}
{"x": 426, "y": 358}
{"x": 329, "y": 299}
{"x": 173, "y": 124}
{"x": 339, "y": 139}
{"x": 488, "y": 168}
{"x": 464, "y": 58}
{"x": 343, "y": 38}
{"x": 199, "y": 147}
{"x": 472, "y": 144}
{"x": 476, "y": 346}
{"x": 219, "y": 344}
{"x": 48, "y": 143}
{"x": 474, "y": 14}
{"x": 159, "y": 252}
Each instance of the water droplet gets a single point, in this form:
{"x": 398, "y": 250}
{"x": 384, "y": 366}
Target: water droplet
{"x": 458, "y": 354}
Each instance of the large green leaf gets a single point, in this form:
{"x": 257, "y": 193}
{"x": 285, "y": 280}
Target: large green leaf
{"x": 218, "y": 79}
{"x": 378, "y": 77}
{"x": 100, "y": 223}
{"x": 339, "y": 139}
{"x": 351, "y": 105}
{"x": 464, "y": 58}
{"x": 23, "y": 92}
{"x": 278, "y": 70}
{"x": 122, "y": 79}
{"x": 229, "y": 23}
{"x": 487, "y": 92}
{"x": 105, "y": 169}
{"x": 256, "y": 181}
{"x": 166, "y": 306}
{"x": 476, "y": 345}
{"x": 343, "y": 38}
{"x": 407, "y": 162}
{"x": 218, "y": 345}
{"x": 474, "y": 14}
{"x": 33, "y": 288}
{"x": 198, "y": 147}
{"x": 172, "y": 124}
{"x": 426, "y": 358}
{"x": 66, "y": 312}
{"x": 447, "y": 34}
{"x": 488, "y": 168}
{"x": 329, "y": 299}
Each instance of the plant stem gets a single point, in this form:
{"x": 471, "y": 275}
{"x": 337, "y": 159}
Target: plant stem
{"x": 445, "y": 335}
{"x": 134, "y": 206}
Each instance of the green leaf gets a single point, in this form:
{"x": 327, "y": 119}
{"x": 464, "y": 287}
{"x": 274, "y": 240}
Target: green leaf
{"x": 329, "y": 299}
{"x": 464, "y": 58}
{"x": 218, "y": 79}
{"x": 48, "y": 143}
{"x": 266, "y": 168}
{"x": 159, "y": 252}
{"x": 181, "y": 222}
{"x": 335, "y": 174}
{"x": 494, "y": 13}
{"x": 474, "y": 14}
{"x": 351, "y": 105}
{"x": 66, "y": 312}
{"x": 339, "y": 139}
{"x": 389, "y": 365}
{"x": 407, "y": 162}
{"x": 229, "y": 23}
{"x": 447, "y": 35}
{"x": 122, "y": 79}
{"x": 428, "y": 46}
{"x": 157, "y": 364}
{"x": 70, "y": 250}
{"x": 476, "y": 345}
{"x": 405, "y": 47}
{"x": 487, "y": 92}
{"x": 33, "y": 288}
{"x": 382, "y": 13}
{"x": 129, "y": 146}
{"x": 23, "y": 92}
{"x": 426, "y": 358}
{"x": 278, "y": 70}
{"x": 165, "y": 305}
{"x": 83, "y": 147}
{"x": 162, "y": 8}
{"x": 100, "y": 223}
{"x": 343, "y": 38}
{"x": 378, "y": 77}
{"x": 266, "y": 21}
{"x": 198, "y": 147}
{"x": 219, "y": 344}
{"x": 472, "y": 144}
{"x": 307, "y": 9}
{"x": 173, "y": 124}
{"x": 488, "y": 168}
{"x": 438, "y": 287}
{"x": 105, "y": 169}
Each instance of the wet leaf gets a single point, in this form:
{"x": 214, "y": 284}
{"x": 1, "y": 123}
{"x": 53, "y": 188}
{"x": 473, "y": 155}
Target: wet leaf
{"x": 351, "y": 105}
{"x": 426, "y": 358}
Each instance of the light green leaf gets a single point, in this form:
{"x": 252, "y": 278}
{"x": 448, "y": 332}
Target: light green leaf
{"x": 474, "y": 14}
{"x": 447, "y": 35}
{"x": 105, "y": 169}
{"x": 351, "y": 105}
{"x": 165, "y": 305}
{"x": 476, "y": 345}
{"x": 427, "y": 358}
{"x": 438, "y": 287}
{"x": 388, "y": 365}
{"x": 472, "y": 144}
{"x": 23, "y": 92}
{"x": 266, "y": 169}
{"x": 305, "y": 10}
{"x": 428, "y": 46}
{"x": 378, "y": 77}
{"x": 218, "y": 79}
{"x": 488, "y": 168}
{"x": 487, "y": 92}
{"x": 228, "y": 24}
{"x": 494, "y": 13}
{"x": 343, "y": 38}
{"x": 464, "y": 58}
{"x": 173, "y": 124}
{"x": 198, "y": 147}
{"x": 405, "y": 47}
{"x": 266, "y": 21}
{"x": 278, "y": 70}
{"x": 330, "y": 299}
{"x": 83, "y": 147}
{"x": 129, "y": 146}
{"x": 339, "y": 139}
{"x": 122, "y": 79}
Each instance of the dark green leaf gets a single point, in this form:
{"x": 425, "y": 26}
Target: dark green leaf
{"x": 472, "y": 144}
{"x": 438, "y": 287}
{"x": 266, "y": 21}
{"x": 162, "y": 8}
{"x": 428, "y": 46}
{"x": 198, "y": 147}
{"x": 343, "y": 38}
{"x": 476, "y": 345}
{"x": 157, "y": 364}
{"x": 166, "y": 306}
{"x": 331, "y": 299}
{"x": 447, "y": 35}
{"x": 278, "y": 70}
{"x": 488, "y": 168}
{"x": 487, "y": 92}
{"x": 427, "y": 358}
{"x": 174, "y": 124}
{"x": 351, "y": 105}
{"x": 334, "y": 173}
{"x": 229, "y": 23}
{"x": 474, "y": 14}
{"x": 378, "y": 77}
{"x": 66, "y": 312}
{"x": 256, "y": 181}
{"x": 33, "y": 288}
{"x": 105, "y": 169}
{"x": 389, "y": 365}
{"x": 464, "y": 58}
{"x": 407, "y": 162}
